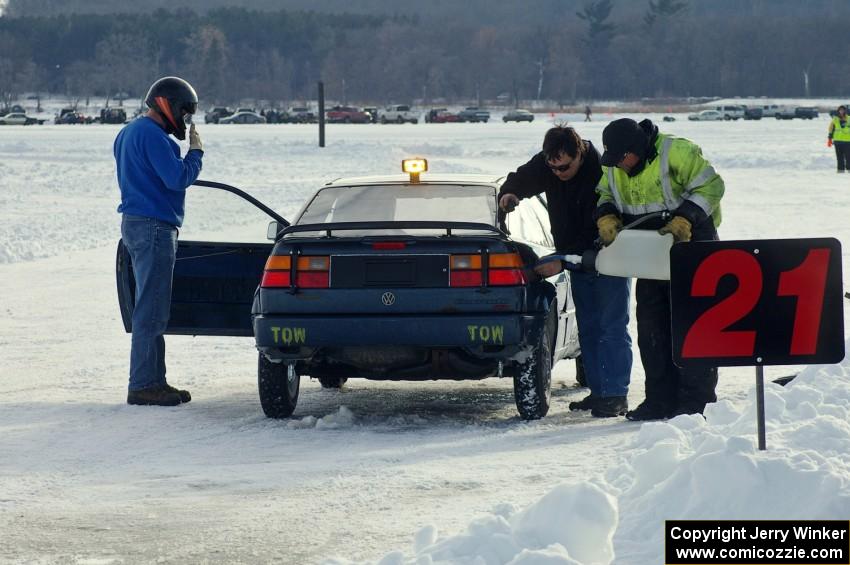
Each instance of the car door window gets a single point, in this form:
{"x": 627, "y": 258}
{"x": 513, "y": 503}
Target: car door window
{"x": 525, "y": 223}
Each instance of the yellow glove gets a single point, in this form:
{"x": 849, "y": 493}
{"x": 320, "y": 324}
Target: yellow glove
{"x": 195, "y": 139}
{"x": 608, "y": 225}
{"x": 679, "y": 227}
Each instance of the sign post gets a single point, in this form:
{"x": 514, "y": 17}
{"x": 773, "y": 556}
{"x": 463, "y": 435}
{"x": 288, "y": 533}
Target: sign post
{"x": 757, "y": 303}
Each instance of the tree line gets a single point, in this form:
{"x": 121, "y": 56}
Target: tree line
{"x": 667, "y": 49}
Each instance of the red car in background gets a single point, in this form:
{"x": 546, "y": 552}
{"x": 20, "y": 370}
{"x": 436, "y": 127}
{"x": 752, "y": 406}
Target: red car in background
{"x": 441, "y": 116}
{"x": 347, "y": 115}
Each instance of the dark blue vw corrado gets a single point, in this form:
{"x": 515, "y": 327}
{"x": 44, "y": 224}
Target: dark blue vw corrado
{"x": 403, "y": 277}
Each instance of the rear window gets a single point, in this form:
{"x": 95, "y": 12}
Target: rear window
{"x": 451, "y": 203}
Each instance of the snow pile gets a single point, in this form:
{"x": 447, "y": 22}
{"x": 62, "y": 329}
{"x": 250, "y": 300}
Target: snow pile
{"x": 341, "y": 419}
{"x": 690, "y": 468}
{"x": 572, "y": 524}
{"x": 686, "y": 468}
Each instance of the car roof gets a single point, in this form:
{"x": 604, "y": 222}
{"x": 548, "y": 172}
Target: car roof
{"x": 426, "y": 179}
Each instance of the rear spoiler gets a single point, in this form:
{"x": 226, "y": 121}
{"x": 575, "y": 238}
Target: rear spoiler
{"x": 331, "y": 227}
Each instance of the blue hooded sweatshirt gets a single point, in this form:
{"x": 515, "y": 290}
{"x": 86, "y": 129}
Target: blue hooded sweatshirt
{"x": 151, "y": 175}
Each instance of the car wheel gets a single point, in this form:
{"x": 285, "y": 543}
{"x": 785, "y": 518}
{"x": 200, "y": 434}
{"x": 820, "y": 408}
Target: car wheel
{"x": 505, "y": 120}
{"x": 332, "y": 382}
{"x": 278, "y": 393}
{"x": 581, "y": 377}
{"x": 383, "y": 120}
{"x": 414, "y": 121}
{"x": 346, "y": 120}
{"x": 485, "y": 121}
{"x": 400, "y": 120}
{"x": 533, "y": 381}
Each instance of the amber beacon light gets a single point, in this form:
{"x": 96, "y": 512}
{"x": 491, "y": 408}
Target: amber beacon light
{"x": 414, "y": 167}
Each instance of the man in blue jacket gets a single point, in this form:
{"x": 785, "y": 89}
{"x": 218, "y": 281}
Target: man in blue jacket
{"x": 153, "y": 179}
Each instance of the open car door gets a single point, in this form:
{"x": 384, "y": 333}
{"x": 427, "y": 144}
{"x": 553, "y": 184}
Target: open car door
{"x": 214, "y": 283}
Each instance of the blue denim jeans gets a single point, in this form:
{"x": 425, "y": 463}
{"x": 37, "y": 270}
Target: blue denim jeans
{"x": 602, "y": 313}
{"x": 152, "y": 245}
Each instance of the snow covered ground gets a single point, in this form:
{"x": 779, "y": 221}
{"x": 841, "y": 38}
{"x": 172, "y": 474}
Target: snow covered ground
{"x": 403, "y": 472}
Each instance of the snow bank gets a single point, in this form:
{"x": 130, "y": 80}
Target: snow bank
{"x": 572, "y": 524}
{"x": 686, "y": 468}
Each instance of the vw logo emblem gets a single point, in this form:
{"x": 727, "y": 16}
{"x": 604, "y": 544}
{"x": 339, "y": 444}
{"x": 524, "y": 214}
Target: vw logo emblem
{"x": 388, "y": 298}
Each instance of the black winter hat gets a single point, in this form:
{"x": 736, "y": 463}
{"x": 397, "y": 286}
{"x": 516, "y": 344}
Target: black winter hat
{"x": 620, "y": 137}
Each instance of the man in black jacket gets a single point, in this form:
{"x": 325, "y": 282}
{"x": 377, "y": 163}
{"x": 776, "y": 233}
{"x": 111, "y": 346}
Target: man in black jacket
{"x": 568, "y": 170}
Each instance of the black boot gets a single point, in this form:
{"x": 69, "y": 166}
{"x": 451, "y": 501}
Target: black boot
{"x": 585, "y": 403}
{"x": 183, "y": 394}
{"x": 649, "y": 411}
{"x": 610, "y": 407}
{"x": 153, "y": 396}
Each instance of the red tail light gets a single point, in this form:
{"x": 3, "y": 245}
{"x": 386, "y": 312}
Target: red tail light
{"x": 507, "y": 277}
{"x": 311, "y": 272}
{"x": 313, "y": 280}
{"x": 273, "y": 279}
{"x": 465, "y": 278}
{"x": 504, "y": 269}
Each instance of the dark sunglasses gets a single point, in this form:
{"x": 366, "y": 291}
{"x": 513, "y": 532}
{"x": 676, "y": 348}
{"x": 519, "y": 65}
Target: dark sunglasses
{"x": 561, "y": 168}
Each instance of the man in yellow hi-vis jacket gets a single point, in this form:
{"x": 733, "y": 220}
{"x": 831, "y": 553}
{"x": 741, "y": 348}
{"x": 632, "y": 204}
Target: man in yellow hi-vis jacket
{"x": 644, "y": 173}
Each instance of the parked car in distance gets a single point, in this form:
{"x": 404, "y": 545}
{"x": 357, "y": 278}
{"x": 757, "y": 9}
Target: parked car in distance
{"x": 669, "y": 119}
{"x": 243, "y": 118}
{"x": 770, "y": 110}
{"x": 731, "y": 111}
{"x": 112, "y": 116}
{"x": 440, "y": 116}
{"x": 753, "y": 113}
{"x": 806, "y": 112}
{"x": 347, "y": 115}
{"x": 217, "y": 113}
{"x": 473, "y": 114}
{"x": 372, "y": 112}
{"x": 298, "y": 115}
{"x": 706, "y": 116}
{"x": 72, "y": 117}
{"x": 19, "y": 119}
{"x": 398, "y": 114}
{"x": 518, "y": 116}
{"x": 786, "y": 113}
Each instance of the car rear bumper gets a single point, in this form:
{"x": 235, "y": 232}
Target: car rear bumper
{"x": 426, "y": 331}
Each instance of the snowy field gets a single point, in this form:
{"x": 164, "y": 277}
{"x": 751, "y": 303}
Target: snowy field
{"x": 398, "y": 472}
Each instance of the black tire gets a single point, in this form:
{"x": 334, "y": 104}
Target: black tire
{"x": 581, "y": 377}
{"x": 400, "y": 119}
{"x": 414, "y": 121}
{"x": 533, "y": 380}
{"x": 331, "y": 382}
{"x": 278, "y": 394}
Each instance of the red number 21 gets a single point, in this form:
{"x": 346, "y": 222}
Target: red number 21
{"x": 708, "y": 336}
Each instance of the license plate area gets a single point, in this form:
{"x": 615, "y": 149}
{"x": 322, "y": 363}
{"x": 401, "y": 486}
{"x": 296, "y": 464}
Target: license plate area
{"x": 367, "y": 271}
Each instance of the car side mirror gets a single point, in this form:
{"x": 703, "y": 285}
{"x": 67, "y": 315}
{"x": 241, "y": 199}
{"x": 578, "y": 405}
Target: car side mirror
{"x": 273, "y": 229}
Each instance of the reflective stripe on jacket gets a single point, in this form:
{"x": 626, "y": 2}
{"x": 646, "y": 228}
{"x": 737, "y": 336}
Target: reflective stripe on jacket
{"x": 677, "y": 174}
{"x": 840, "y": 131}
